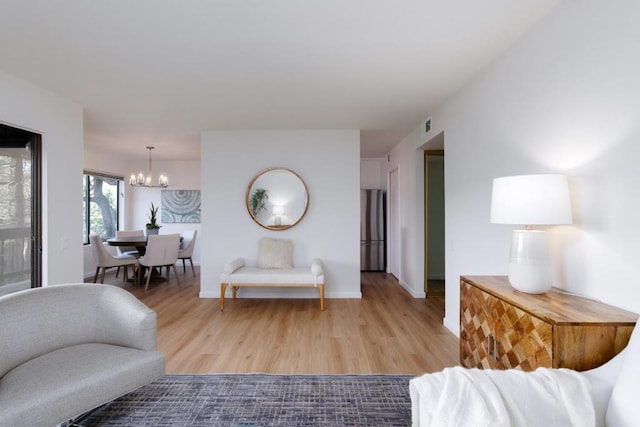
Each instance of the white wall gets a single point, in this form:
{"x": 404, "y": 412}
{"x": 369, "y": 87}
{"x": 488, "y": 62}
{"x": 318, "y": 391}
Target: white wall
{"x": 183, "y": 175}
{"x": 410, "y": 165}
{"x": 565, "y": 99}
{"x": 373, "y": 174}
{"x": 59, "y": 121}
{"x": 105, "y": 162}
{"x": 329, "y": 163}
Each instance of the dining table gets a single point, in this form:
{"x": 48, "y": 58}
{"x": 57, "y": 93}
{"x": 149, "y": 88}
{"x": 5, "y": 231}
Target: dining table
{"x": 139, "y": 242}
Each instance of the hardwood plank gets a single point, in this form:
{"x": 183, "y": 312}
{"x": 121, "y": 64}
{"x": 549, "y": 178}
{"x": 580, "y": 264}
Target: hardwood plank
{"x": 387, "y": 331}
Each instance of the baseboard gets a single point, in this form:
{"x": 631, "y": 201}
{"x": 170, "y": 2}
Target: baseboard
{"x": 344, "y": 295}
{"x": 204, "y": 294}
{"x": 412, "y": 292}
{"x": 452, "y": 325}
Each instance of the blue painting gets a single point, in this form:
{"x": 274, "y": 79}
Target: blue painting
{"x": 180, "y": 206}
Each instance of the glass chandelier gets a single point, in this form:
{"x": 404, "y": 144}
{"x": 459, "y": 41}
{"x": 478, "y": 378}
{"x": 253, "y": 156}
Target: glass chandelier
{"x": 142, "y": 180}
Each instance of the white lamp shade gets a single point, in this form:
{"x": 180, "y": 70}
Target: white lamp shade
{"x": 531, "y": 200}
{"x": 278, "y": 209}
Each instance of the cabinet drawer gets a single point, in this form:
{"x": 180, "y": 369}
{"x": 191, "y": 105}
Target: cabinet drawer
{"x": 523, "y": 340}
{"x": 496, "y": 335}
{"x": 476, "y": 327}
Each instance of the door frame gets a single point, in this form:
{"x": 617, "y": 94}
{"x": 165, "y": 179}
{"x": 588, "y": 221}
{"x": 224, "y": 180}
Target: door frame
{"x": 34, "y": 146}
{"x": 393, "y": 233}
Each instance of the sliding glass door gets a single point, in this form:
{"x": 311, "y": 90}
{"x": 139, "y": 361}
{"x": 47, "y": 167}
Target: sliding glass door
{"x": 20, "y": 259}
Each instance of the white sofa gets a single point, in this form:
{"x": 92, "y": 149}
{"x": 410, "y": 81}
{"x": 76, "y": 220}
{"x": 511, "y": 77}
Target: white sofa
{"x": 66, "y": 349}
{"x": 609, "y": 395}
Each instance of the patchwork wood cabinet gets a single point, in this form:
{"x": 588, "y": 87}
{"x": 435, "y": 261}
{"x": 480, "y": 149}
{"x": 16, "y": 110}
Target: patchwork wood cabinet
{"x": 502, "y": 328}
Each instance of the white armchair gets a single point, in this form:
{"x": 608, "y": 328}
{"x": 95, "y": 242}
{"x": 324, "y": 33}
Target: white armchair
{"x": 66, "y": 349}
{"x": 604, "y": 396}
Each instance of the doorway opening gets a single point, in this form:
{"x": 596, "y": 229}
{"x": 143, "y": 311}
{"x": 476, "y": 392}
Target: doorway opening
{"x": 434, "y": 262}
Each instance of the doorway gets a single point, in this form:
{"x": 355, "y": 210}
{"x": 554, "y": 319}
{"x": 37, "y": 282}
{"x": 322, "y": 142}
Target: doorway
{"x": 434, "y": 262}
{"x": 20, "y": 218}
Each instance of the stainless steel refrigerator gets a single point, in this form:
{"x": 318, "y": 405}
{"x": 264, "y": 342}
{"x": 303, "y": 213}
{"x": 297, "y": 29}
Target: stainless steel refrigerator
{"x": 373, "y": 249}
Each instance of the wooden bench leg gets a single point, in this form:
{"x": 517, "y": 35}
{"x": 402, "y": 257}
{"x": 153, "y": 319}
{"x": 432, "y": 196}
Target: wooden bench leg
{"x": 223, "y": 288}
{"x": 235, "y": 291}
{"x": 321, "y": 288}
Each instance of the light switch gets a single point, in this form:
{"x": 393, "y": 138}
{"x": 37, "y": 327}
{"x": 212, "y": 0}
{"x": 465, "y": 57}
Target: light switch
{"x": 64, "y": 243}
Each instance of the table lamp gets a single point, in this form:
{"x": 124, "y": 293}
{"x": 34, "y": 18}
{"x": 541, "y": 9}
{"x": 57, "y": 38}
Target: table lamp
{"x": 278, "y": 211}
{"x": 530, "y": 200}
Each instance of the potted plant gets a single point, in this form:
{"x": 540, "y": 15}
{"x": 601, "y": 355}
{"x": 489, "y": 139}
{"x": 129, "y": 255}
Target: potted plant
{"x": 258, "y": 200}
{"x": 152, "y": 225}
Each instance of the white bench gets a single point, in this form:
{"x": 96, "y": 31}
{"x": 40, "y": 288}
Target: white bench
{"x": 237, "y": 275}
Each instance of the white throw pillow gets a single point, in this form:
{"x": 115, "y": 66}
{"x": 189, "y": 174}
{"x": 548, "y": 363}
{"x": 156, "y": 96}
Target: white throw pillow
{"x": 275, "y": 253}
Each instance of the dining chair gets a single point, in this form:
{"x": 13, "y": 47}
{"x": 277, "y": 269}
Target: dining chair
{"x": 128, "y": 250}
{"x": 105, "y": 260}
{"x": 162, "y": 251}
{"x": 186, "y": 252}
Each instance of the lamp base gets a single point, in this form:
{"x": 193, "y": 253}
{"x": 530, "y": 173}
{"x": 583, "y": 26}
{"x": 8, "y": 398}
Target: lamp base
{"x": 529, "y": 267}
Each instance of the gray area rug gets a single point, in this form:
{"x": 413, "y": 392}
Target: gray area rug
{"x": 261, "y": 400}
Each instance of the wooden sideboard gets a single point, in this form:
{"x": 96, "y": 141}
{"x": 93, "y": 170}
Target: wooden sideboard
{"x": 502, "y": 328}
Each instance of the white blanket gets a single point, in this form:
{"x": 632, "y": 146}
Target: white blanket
{"x": 474, "y": 397}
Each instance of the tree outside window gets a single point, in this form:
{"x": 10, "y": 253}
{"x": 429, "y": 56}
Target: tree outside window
{"x": 101, "y": 207}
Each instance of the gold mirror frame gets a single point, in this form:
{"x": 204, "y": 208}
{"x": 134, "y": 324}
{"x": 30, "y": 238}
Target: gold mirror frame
{"x": 277, "y": 198}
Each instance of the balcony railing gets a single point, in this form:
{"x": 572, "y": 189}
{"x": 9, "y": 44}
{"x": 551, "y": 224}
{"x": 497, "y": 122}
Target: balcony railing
{"x": 15, "y": 255}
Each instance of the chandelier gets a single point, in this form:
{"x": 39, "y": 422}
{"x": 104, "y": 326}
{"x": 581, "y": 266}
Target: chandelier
{"x": 142, "y": 180}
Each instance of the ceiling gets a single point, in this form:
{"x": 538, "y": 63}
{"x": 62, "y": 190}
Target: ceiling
{"x": 159, "y": 72}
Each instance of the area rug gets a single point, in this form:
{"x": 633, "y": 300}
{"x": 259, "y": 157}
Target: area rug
{"x": 261, "y": 400}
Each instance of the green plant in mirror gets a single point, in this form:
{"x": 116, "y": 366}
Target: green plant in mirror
{"x": 258, "y": 200}
{"x": 153, "y": 218}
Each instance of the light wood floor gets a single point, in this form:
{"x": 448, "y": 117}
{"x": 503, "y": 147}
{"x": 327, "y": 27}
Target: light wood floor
{"x": 387, "y": 331}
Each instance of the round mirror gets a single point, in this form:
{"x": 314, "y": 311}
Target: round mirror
{"x": 277, "y": 198}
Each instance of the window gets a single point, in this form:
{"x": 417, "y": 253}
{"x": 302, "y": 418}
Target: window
{"x": 101, "y": 205}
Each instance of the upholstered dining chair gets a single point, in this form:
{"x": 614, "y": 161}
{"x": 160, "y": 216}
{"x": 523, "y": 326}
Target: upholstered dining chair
{"x": 162, "y": 251}
{"x": 105, "y": 260}
{"x": 128, "y": 250}
{"x": 186, "y": 252}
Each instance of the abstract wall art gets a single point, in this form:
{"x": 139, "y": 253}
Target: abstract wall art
{"x": 180, "y": 206}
